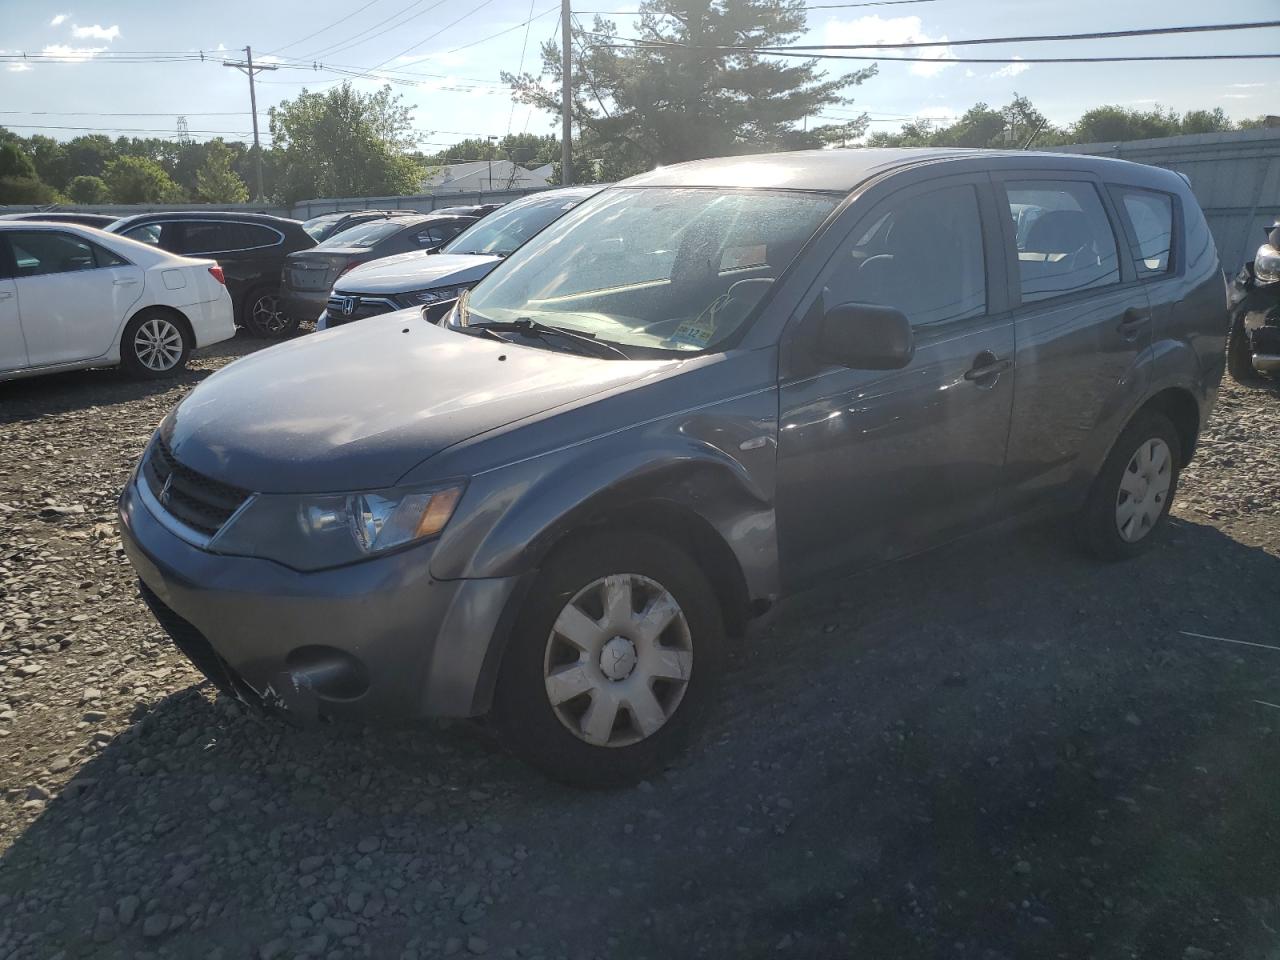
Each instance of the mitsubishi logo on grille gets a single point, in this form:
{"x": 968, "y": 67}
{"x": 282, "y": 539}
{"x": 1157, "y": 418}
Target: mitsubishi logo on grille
{"x": 166, "y": 491}
{"x": 349, "y": 305}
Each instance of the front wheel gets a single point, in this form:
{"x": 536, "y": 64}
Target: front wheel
{"x": 155, "y": 344}
{"x": 264, "y": 317}
{"x": 1132, "y": 494}
{"x": 611, "y": 661}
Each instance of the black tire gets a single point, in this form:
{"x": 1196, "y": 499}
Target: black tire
{"x": 263, "y": 317}
{"x": 522, "y": 709}
{"x": 1240, "y": 353}
{"x": 1098, "y": 525}
{"x": 147, "y": 344}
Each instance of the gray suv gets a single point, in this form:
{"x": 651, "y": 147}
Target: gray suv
{"x": 700, "y": 390}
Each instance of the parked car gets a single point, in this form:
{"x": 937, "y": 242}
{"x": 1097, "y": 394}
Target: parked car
{"x": 72, "y": 296}
{"x": 99, "y": 220}
{"x": 471, "y": 210}
{"x": 699, "y": 391}
{"x": 309, "y": 275}
{"x": 412, "y": 280}
{"x": 324, "y": 226}
{"x": 1253, "y": 346}
{"x": 250, "y": 247}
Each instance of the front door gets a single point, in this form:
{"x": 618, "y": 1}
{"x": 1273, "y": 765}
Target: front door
{"x": 72, "y": 295}
{"x": 13, "y": 349}
{"x": 1083, "y": 326}
{"x": 877, "y": 464}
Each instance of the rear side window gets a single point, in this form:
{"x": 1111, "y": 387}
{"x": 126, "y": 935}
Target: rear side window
{"x": 206, "y": 236}
{"x": 365, "y": 235}
{"x": 1151, "y": 216}
{"x": 151, "y": 233}
{"x": 254, "y": 235}
{"x": 1065, "y": 242}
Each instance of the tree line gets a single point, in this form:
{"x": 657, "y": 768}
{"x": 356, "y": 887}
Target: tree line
{"x": 697, "y": 88}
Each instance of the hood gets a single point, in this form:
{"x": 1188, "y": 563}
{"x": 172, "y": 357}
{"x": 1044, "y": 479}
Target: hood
{"x": 358, "y": 407}
{"x": 415, "y": 271}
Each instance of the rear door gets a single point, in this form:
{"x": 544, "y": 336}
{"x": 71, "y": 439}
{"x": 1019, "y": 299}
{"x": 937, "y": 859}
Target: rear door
{"x": 1083, "y": 327}
{"x": 13, "y": 348}
{"x": 73, "y": 295}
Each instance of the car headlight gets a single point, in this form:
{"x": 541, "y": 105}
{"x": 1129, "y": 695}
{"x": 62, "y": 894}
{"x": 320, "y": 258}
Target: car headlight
{"x": 436, "y": 295}
{"x": 316, "y": 531}
{"x": 1266, "y": 265}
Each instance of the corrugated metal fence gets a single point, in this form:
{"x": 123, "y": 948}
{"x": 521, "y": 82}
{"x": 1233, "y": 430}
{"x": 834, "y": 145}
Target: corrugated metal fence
{"x": 1235, "y": 176}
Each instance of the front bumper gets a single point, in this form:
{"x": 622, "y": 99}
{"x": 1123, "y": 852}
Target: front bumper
{"x": 378, "y": 640}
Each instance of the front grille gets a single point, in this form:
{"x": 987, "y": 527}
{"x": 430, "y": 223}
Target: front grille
{"x": 190, "y": 497}
{"x": 361, "y": 307}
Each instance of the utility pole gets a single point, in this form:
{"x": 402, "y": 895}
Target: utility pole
{"x": 246, "y": 67}
{"x": 566, "y": 95}
{"x": 491, "y": 138}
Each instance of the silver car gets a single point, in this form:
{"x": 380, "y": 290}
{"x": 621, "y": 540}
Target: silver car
{"x": 698, "y": 391}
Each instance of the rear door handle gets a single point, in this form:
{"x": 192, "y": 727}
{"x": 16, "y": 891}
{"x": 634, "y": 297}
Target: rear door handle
{"x": 1131, "y": 322}
{"x": 124, "y": 282}
{"x": 5, "y": 295}
{"x": 987, "y": 366}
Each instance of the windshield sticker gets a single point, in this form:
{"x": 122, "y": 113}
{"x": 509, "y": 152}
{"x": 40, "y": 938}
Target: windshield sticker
{"x": 697, "y": 332}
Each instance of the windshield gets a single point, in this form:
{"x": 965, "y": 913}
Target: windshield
{"x": 672, "y": 269}
{"x": 364, "y": 235}
{"x": 504, "y": 232}
{"x": 316, "y": 226}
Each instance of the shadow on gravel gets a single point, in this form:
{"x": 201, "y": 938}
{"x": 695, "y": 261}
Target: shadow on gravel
{"x": 999, "y": 750}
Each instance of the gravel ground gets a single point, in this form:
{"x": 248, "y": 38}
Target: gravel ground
{"x": 999, "y": 750}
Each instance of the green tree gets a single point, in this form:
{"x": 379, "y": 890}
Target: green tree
{"x": 343, "y": 143}
{"x": 216, "y": 182}
{"x": 1125, "y": 123}
{"x": 18, "y": 180}
{"x": 1011, "y": 126}
{"x": 133, "y": 179}
{"x": 686, "y": 95}
{"x": 88, "y": 156}
{"x": 85, "y": 189}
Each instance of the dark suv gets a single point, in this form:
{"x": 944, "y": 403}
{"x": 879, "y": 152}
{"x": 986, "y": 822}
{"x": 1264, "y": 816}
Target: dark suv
{"x": 325, "y": 225}
{"x": 697, "y": 392}
{"x": 250, "y": 248}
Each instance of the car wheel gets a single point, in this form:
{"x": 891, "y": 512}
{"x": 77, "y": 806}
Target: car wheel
{"x": 611, "y": 661}
{"x": 1132, "y": 494}
{"x": 263, "y": 316}
{"x": 1240, "y": 352}
{"x": 155, "y": 344}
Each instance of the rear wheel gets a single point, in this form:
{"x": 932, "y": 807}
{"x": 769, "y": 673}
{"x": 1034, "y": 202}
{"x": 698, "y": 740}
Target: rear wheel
{"x": 155, "y": 344}
{"x": 1132, "y": 494}
{"x": 611, "y": 661}
{"x": 263, "y": 316}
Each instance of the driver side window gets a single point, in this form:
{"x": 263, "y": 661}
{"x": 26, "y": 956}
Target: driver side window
{"x": 1065, "y": 242}
{"x": 922, "y": 255}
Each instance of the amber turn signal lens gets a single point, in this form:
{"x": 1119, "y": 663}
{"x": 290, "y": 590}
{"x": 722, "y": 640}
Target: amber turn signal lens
{"x": 438, "y": 512}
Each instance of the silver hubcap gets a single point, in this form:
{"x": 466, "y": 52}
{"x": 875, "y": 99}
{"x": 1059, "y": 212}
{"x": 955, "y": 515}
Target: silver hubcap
{"x": 158, "y": 344}
{"x": 618, "y": 660}
{"x": 266, "y": 314}
{"x": 1144, "y": 489}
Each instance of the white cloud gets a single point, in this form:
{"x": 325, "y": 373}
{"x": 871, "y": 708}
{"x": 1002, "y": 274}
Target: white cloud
{"x": 19, "y": 67}
{"x": 968, "y": 72}
{"x": 1246, "y": 86}
{"x": 67, "y": 54}
{"x": 96, "y": 32}
{"x": 59, "y": 19}
{"x": 1238, "y": 96}
{"x": 1012, "y": 69}
{"x": 875, "y": 29}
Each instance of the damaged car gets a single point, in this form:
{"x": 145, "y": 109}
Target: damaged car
{"x": 1253, "y": 345}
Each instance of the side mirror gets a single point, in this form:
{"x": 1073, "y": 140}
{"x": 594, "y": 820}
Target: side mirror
{"x": 863, "y": 336}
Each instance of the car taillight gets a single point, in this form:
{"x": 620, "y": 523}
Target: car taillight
{"x": 216, "y": 272}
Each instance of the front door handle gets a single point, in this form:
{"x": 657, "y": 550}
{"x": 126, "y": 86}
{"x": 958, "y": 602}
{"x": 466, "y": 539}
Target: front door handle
{"x": 124, "y": 282}
{"x": 5, "y": 295}
{"x": 986, "y": 367}
{"x": 1131, "y": 322}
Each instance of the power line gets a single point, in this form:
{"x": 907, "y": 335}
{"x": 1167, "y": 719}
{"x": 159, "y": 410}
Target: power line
{"x": 524, "y": 23}
{"x": 1102, "y": 35}
{"x": 812, "y": 6}
{"x": 413, "y": 46}
{"x": 528, "y": 25}
{"x": 330, "y": 26}
{"x": 96, "y": 113}
{"x": 364, "y": 36}
{"x": 39, "y": 126}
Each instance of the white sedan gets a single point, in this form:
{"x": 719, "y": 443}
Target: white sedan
{"x": 73, "y": 296}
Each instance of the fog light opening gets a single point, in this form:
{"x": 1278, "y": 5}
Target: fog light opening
{"x": 330, "y": 673}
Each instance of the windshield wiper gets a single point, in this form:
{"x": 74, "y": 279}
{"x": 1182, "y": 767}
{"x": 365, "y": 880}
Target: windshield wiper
{"x": 533, "y": 328}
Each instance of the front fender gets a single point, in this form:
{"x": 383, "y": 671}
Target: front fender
{"x": 716, "y": 464}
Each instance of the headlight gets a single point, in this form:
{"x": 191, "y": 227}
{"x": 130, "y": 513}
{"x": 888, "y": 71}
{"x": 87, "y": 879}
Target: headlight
{"x": 1266, "y": 265}
{"x": 316, "y": 531}
{"x": 437, "y": 295}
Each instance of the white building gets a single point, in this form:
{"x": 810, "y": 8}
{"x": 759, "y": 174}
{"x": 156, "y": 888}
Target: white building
{"x": 481, "y": 175}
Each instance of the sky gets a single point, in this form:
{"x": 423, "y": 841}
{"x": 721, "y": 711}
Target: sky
{"x": 449, "y": 49}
